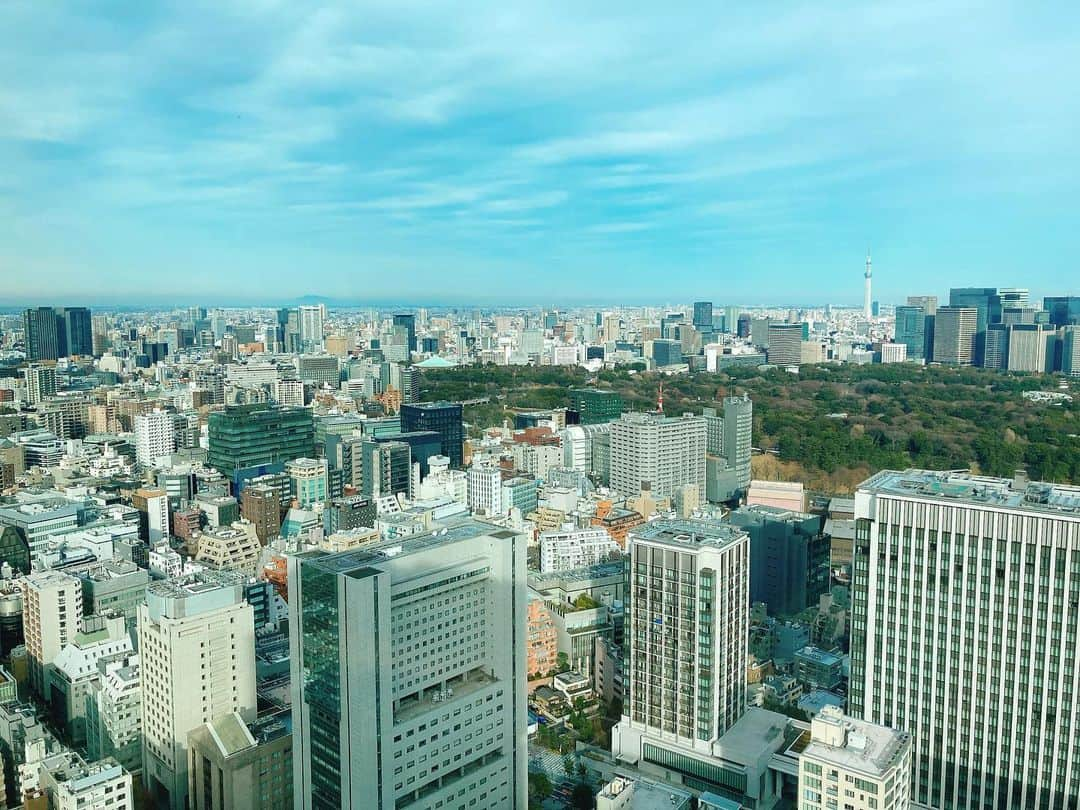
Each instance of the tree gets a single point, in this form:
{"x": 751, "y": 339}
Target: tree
{"x": 568, "y": 765}
{"x": 582, "y": 797}
{"x": 539, "y": 786}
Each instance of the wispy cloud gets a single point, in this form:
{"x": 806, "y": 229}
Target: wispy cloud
{"x": 450, "y": 132}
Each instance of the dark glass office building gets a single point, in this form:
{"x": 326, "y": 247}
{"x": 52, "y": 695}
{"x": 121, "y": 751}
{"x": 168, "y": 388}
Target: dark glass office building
{"x": 250, "y": 440}
{"x": 407, "y": 320}
{"x": 442, "y": 417}
{"x": 594, "y": 406}
{"x": 41, "y": 334}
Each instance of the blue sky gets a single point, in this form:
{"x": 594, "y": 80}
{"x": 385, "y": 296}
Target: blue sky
{"x": 418, "y": 151}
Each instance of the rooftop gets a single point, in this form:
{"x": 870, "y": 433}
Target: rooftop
{"x": 977, "y": 490}
{"x": 864, "y": 747}
{"x": 683, "y": 533}
{"x": 375, "y": 553}
{"x": 819, "y": 656}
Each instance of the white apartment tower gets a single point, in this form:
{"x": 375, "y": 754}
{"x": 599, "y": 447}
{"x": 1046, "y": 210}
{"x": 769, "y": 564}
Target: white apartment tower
{"x": 965, "y": 606}
{"x": 485, "y": 489}
{"x": 686, "y": 639}
{"x": 197, "y": 662}
{"x": 52, "y": 616}
{"x": 666, "y": 452}
{"x": 155, "y": 436}
{"x": 408, "y": 672}
{"x": 40, "y": 383}
{"x": 853, "y": 764}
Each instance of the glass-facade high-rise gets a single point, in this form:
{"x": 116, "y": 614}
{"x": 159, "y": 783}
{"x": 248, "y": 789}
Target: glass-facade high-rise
{"x": 250, "y": 440}
{"x": 445, "y": 418}
{"x": 911, "y": 330}
{"x": 41, "y": 335}
{"x": 408, "y": 672}
{"x": 987, "y": 305}
{"x": 594, "y": 405}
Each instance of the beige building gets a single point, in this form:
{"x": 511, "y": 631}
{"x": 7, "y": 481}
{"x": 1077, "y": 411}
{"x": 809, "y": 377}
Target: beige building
{"x": 854, "y": 764}
{"x": 197, "y": 651}
{"x": 231, "y": 548}
{"x": 233, "y": 765}
{"x": 52, "y": 614}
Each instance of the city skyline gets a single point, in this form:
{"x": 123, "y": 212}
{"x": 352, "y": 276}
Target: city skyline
{"x": 363, "y": 155}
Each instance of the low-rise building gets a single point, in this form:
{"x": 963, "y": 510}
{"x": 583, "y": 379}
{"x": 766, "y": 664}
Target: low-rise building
{"x": 241, "y": 766}
{"x": 864, "y": 765}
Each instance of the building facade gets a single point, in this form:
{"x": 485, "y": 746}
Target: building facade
{"x": 686, "y": 639}
{"x": 965, "y": 601}
{"x": 667, "y": 453}
{"x": 433, "y": 711}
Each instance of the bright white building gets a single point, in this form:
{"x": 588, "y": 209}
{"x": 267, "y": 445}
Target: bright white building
{"x": 289, "y": 392}
{"x": 197, "y": 651}
{"x": 114, "y": 713}
{"x": 155, "y": 437}
{"x": 71, "y": 783}
{"x": 485, "y": 490}
{"x": 575, "y": 548}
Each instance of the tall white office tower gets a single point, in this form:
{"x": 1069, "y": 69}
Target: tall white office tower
{"x": 155, "y": 436}
{"x": 868, "y": 305}
{"x": 965, "y": 606}
{"x": 686, "y": 639}
{"x": 310, "y": 327}
{"x": 666, "y": 452}
{"x": 408, "y": 672}
{"x": 197, "y": 663}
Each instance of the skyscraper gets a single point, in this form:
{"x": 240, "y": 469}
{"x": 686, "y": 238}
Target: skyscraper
{"x": 408, "y": 672}
{"x": 987, "y": 305}
{"x": 666, "y": 453}
{"x": 442, "y": 417}
{"x": 74, "y": 327}
{"x": 955, "y": 331}
{"x": 1028, "y": 348}
{"x": 310, "y": 327}
{"x": 1070, "y": 351}
{"x": 911, "y": 330}
{"x": 785, "y": 344}
{"x": 965, "y": 602}
{"x": 729, "y": 447}
{"x": 1064, "y": 310}
{"x": 197, "y": 663}
{"x": 407, "y": 320}
{"x": 686, "y": 633}
{"x": 703, "y": 316}
{"x": 250, "y": 440}
{"x": 41, "y": 335}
